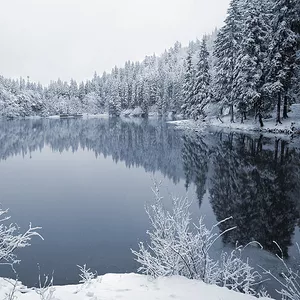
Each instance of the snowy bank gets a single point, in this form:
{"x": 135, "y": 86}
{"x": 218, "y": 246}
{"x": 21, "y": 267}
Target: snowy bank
{"x": 130, "y": 287}
{"x": 288, "y": 126}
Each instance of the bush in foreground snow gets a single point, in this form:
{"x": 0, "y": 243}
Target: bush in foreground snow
{"x": 289, "y": 280}
{"x": 11, "y": 239}
{"x": 178, "y": 247}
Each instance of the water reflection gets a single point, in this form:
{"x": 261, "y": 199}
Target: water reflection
{"x": 254, "y": 179}
{"x": 195, "y": 157}
{"x": 137, "y": 143}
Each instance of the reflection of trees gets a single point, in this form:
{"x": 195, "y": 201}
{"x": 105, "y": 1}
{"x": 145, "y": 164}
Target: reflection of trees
{"x": 146, "y": 144}
{"x": 195, "y": 163}
{"x": 253, "y": 182}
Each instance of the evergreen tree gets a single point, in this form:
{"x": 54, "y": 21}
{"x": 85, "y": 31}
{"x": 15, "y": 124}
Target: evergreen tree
{"x": 114, "y": 101}
{"x": 202, "y": 85}
{"x": 226, "y": 51}
{"x": 73, "y": 90}
{"x": 250, "y": 72}
{"x": 283, "y": 52}
{"x": 188, "y": 87}
{"x": 81, "y": 91}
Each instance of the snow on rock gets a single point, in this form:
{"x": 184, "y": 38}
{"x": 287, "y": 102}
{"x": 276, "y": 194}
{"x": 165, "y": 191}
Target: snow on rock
{"x": 136, "y": 112}
{"x": 131, "y": 287}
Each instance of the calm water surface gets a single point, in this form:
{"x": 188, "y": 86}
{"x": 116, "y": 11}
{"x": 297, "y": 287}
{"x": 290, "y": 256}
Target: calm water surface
{"x": 85, "y": 182}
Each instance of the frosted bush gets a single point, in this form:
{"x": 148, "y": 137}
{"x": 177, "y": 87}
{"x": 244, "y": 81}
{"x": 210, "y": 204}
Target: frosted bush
{"x": 179, "y": 247}
{"x": 289, "y": 281}
{"x": 46, "y": 289}
{"x": 86, "y": 275}
{"x": 11, "y": 239}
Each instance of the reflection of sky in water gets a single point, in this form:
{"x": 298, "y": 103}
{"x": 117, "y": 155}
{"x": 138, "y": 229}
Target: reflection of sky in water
{"x": 91, "y": 210}
{"x": 91, "y": 207}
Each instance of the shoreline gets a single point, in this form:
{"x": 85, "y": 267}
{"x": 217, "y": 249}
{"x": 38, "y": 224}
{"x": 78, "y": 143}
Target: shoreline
{"x": 289, "y": 126}
{"x": 129, "y": 286}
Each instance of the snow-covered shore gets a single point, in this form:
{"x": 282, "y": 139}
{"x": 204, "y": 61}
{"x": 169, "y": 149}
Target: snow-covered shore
{"x": 288, "y": 126}
{"x": 129, "y": 287}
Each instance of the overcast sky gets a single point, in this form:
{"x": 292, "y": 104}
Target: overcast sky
{"x": 47, "y": 39}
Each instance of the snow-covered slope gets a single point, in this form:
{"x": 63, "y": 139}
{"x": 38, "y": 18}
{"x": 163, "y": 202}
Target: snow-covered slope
{"x": 269, "y": 124}
{"x": 289, "y": 126}
{"x": 131, "y": 287}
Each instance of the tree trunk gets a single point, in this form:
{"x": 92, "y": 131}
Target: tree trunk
{"x": 285, "y": 107}
{"x": 260, "y": 120}
{"x": 231, "y": 114}
{"x": 278, "y": 120}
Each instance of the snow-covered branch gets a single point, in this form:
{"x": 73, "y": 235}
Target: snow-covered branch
{"x": 11, "y": 239}
{"x": 290, "y": 279}
{"x": 179, "y": 247}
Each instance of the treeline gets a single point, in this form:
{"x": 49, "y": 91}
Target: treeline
{"x": 153, "y": 85}
{"x": 256, "y": 63}
{"x": 248, "y": 67}
{"x": 257, "y": 57}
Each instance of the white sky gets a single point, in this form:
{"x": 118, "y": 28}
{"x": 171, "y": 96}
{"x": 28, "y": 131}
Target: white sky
{"x": 47, "y": 39}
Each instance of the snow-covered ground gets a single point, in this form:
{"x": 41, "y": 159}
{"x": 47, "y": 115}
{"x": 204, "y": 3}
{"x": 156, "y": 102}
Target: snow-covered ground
{"x": 288, "y": 126}
{"x": 129, "y": 287}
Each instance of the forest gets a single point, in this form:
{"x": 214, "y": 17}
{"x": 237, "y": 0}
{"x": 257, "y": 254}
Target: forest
{"x": 249, "y": 67}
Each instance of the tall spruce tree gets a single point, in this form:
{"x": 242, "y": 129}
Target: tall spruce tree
{"x": 226, "y": 51}
{"x": 283, "y": 52}
{"x": 202, "y": 85}
{"x": 250, "y": 71}
{"x": 188, "y": 87}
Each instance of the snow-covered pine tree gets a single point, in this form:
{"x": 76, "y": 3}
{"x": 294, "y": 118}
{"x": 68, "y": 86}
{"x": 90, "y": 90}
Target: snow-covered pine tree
{"x": 283, "y": 52}
{"x": 250, "y": 71}
{"x": 146, "y": 98}
{"x": 295, "y": 94}
{"x": 81, "y": 91}
{"x": 73, "y": 89}
{"x": 114, "y": 99}
{"x": 202, "y": 85}
{"x": 188, "y": 87}
{"x": 226, "y": 50}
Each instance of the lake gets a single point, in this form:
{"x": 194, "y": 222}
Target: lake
{"x": 86, "y": 183}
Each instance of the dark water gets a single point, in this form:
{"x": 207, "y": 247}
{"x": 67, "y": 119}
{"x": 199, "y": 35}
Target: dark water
{"x": 86, "y": 183}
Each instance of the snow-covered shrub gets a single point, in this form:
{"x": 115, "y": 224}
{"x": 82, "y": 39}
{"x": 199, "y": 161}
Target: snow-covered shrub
{"x": 236, "y": 274}
{"x": 289, "y": 281}
{"x": 11, "y": 239}
{"x": 179, "y": 247}
{"x": 86, "y": 275}
{"x": 11, "y": 295}
{"x": 46, "y": 289}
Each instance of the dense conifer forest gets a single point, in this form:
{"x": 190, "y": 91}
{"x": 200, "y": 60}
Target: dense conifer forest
{"x": 249, "y": 67}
